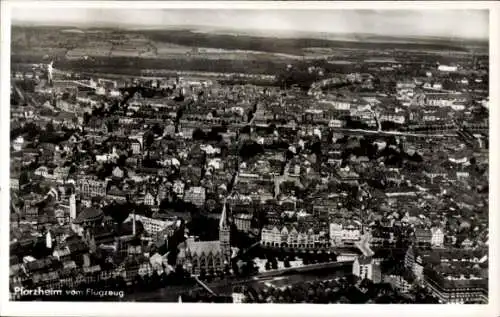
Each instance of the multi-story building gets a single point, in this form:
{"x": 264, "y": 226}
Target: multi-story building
{"x": 437, "y": 239}
{"x": 238, "y": 297}
{"x": 42, "y": 171}
{"x": 293, "y": 237}
{"x": 196, "y": 196}
{"x": 335, "y": 123}
{"x": 136, "y": 147}
{"x": 344, "y": 233}
{"x": 405, "y": 85}
{"x": 61, "y": 173}
{"x": 149, "y": 199}
{"x": 178, "y": 188}
{"x": 18, "y": 143}
{"x": 457, "y": 290}
{"x": 243, "y": 222}
{"x": 423, "y": 236}
{"x": 340, "y": 104}
{"x": 346, "y": 175}
{"x": 151, "y": 226}
{"x": 96, "y": 125}
{"x": 399, "y": 282}
{"x": 118, "y": 172}
{"x": 367, "y": 267}
{"x": 116, "y": 194}
{"x": 392, "y": 117}
{"x": 447, "y": 68}
{"x": 414, "y": 262}
{"x": 91, "y": 187}
{"x": 14, "y": 182}
{"x": 467, "y": 244}
{"x": 187, "y": 127}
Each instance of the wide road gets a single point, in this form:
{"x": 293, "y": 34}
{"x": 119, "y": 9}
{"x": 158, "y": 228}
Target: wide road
{"x": 397, "y": 133}
{"x": 450, "y": 133}
{"x": 364, "y": 245}
{"x": 27, "y": 98}
{"x": 18, "y": 91}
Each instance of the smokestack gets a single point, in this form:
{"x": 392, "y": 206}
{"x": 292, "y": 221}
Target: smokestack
{"x": 72, "y": 207}
{"x": 50, "y": 70}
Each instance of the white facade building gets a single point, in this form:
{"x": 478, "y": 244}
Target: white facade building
{"x": 273, "y": 236}
{"x": 447, "y": 68}
{"x": 341, "y": 234}
{"x": 151, "y": 226}
{"x": 437, "y": 239}
{"x": 367, "y": 267}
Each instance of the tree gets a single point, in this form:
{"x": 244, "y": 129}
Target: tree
{"x": 274, "y": 264}
{"x": 214, "y": 136}
{"x": 150, "y": 138}
{"x": 306, "y": 260}
{"x": 198, "y": 134}
{"x": 118, "y": 212}
{"x": 180, "y": 273}
{"x": 49, "y": 127}
{"x": 235, "y": 267}
{"x": 287, "y": 262}
{"x": 23, "y": 178}
{"x": 86, "y": 117}
{"x": 211, "y": 274}
{"x": 227, "y": 270}
{"x": 250, "y": 149}
{"x": 121, "y": 160}
{"x": 268, "y": 265}
{"x": 157, "y": 129}
{"x": 203, "y": 274}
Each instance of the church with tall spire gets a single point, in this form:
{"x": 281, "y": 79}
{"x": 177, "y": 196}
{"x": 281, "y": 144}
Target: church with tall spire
{"x": 225, "y": 233}
{"x": 208, "y": 256}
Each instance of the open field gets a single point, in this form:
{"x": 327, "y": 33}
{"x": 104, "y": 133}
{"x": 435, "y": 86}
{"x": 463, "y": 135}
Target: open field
{"x": 129, "y": 52}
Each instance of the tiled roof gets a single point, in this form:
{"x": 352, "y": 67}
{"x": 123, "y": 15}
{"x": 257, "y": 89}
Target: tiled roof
{"x": 40, "y": 264}
{"x": 453, "y": 284}
{"x": 62, "y": 252}
{"x": 89, "y": 214}
{"x": 114, "y": 191}
{"x": 203, "y": 247}
{"x": 77, "y": 246}
{"x": 423, "y": 233}
{"x": 364, "y": 260}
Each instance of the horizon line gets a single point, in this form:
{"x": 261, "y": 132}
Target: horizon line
{"x": 139, "y": 27}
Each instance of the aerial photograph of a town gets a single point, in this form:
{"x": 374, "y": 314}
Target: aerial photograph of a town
{"x": 249, "y": 156}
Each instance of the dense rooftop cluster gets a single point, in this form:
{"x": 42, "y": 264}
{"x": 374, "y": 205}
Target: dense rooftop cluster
{"x": 115, "y": 178}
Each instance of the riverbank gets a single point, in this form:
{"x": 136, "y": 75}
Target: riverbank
{"x": 225, "y": 287}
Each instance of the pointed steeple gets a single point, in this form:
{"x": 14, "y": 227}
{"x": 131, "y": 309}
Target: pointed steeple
{"x": 223, "y": 217}
{"x": 133, "y": 223}
{"x": 225, "y": 233}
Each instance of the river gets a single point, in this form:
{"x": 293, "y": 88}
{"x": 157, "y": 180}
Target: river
{"x": 225, "y": 287}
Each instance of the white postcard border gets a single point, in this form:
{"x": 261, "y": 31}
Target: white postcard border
{"x": 172, "y": 309}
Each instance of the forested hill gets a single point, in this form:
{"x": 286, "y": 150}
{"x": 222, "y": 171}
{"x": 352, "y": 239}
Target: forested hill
{"x": 280, "y": 45}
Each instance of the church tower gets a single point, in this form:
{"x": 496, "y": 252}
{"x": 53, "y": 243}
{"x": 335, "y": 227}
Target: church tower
{"x": 225, "y": 234}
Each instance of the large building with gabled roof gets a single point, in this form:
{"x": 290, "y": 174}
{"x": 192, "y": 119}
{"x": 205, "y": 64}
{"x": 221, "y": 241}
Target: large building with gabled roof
{"x": 207, "y": 256}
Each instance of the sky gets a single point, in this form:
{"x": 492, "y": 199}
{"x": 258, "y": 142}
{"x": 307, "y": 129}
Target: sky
{"x": 453, "y": 23}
